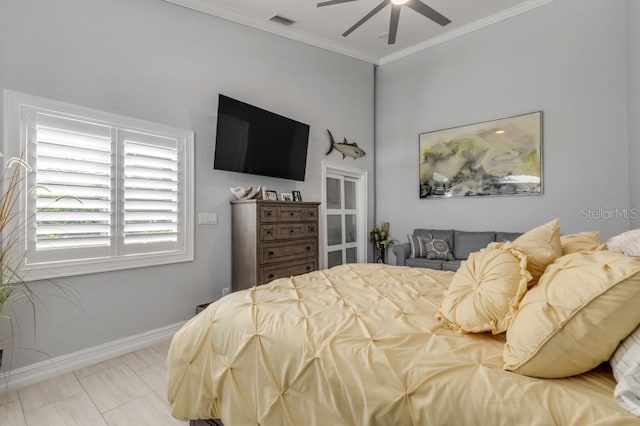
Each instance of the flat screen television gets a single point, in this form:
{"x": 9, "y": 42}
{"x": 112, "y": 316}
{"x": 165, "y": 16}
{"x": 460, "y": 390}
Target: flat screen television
{"x": 255, "y": 141}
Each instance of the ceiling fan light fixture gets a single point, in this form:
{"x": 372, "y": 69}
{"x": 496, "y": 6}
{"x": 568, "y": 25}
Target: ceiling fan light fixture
{"x": 399, "y": 2}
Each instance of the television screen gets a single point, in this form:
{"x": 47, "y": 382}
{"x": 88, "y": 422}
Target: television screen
{"x": 255, "y": 141}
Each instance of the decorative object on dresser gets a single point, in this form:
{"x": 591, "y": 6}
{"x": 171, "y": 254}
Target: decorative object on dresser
{"x": 297, "y": 196}
{"x": 248, "y": 193}
{"x": 272, "y": 239}
{"x": 286, "y": 196}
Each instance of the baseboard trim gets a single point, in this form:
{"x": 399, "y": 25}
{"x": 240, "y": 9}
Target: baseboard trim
{"x": 24, "y": 376}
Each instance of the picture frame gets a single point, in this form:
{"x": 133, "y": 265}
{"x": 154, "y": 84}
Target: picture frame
{"x": 272, "y": 195}
{"x": 297, "y": 196}
{"x": 286, "y": 196}
{"x": 496, "y": 157}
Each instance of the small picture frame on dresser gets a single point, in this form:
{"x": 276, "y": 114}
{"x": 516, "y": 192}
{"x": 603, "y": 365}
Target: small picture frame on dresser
{"x": 286, "y": 196}
{"x": 297, "y": 196}
{"x": 272, "y": 195}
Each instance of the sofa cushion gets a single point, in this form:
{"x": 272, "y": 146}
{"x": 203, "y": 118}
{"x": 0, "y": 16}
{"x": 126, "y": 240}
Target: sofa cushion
{"x": 424, "y": 263}
{"x": 442, "y": 234}
{"x": 503, "y": 237}
{"x": 452, "y": 265}
{"x": 468, "y": 242}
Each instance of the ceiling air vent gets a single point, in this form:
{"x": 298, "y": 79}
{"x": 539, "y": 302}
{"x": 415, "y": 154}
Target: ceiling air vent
{"x": 282, "y": 20}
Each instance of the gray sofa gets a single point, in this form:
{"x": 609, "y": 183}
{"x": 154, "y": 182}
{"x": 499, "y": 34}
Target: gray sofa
{"x": 461, "y": 244}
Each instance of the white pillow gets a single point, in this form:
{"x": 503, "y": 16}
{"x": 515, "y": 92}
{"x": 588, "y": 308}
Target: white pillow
{"x": 628, "y": 242}
{"x": 626, "y": 369}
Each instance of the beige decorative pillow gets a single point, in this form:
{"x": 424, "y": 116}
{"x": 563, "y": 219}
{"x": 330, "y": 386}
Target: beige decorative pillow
{"x": 573, "y": 320}
{"x": 485, "y": 291}
{"x": 541, "y": 245}
{"x": 628, "y": 242}
{"x": 582, "y": 241}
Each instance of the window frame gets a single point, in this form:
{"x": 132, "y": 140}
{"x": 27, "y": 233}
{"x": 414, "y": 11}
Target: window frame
{"x": 17, "y": 107}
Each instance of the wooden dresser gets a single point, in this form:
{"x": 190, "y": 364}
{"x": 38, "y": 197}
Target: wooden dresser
{"x": 272, "y": 239}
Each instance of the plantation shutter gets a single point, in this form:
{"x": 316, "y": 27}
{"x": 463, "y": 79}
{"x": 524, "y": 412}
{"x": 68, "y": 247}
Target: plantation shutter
{"x": 152, "y": 193}
{"x": 104, "y": 192}
{"x": 74, "y": 191}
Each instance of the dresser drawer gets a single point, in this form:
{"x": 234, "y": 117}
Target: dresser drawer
{"x": 286, "y": 250}
{"x": 269, "y": 214}
{"x": 272, "y": 213}
{"x": 287, "y": 231}
{"x": 270, "y": 273}
{"x": 310, "y": 213}
{"x": 291, "y": 213}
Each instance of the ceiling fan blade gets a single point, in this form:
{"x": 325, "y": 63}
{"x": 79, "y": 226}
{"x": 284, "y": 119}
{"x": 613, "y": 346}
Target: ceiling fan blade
{"x": 430, "y": 13}
{"x": 368, "y": 16}
{"x": 393, "y": 25}
{"x": 330, "y": 2}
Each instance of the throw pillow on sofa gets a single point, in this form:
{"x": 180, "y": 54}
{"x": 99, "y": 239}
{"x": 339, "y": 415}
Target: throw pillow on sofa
{"x": 417, "y": 246}
{"x": 485, "y": 292}
{"x": 437, "y": 249}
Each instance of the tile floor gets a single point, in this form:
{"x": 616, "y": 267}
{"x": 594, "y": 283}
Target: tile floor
{"x": 129, "y": 390}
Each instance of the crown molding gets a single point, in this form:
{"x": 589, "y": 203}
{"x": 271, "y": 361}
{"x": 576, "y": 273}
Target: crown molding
{"x": 255, "y": 22}
{"x": 259, "y": 24}
{"x": 466, "y": 29}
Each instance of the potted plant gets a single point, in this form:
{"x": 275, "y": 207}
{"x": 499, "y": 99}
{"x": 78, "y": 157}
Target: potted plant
{"x": 12, "y": 284}
{"x": 379, "y": 236}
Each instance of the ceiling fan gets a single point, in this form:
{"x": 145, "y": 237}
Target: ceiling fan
{"x": 396, "y": 5}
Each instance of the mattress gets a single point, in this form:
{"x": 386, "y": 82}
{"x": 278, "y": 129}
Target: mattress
{"x": 360, "y": 345}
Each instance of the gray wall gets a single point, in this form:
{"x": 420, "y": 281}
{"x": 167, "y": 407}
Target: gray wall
{"x": 568, "y": 59}
{"x": 152, "y": 60}
{"x": 633, "y": 26}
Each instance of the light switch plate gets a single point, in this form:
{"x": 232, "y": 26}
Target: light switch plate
{"x": 207, "y": 218}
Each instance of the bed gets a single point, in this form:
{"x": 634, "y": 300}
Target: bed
{"x": 360, "y": 344}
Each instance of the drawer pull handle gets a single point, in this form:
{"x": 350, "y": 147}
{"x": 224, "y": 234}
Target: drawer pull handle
{"x": 308, "y": 248}
{"x": 268, "y": 232}
{"x": 270, "y": 253}
{"x": 270, "y": 276}
{"x": 268, "y": 213}
{"x": 292, "y": 231}
{"x": 291, "y": 214}
{"x": 308, "y": 268}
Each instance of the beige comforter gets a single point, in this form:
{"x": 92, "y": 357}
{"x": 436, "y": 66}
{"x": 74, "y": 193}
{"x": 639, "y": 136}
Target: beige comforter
{"x": 359, "y": 345}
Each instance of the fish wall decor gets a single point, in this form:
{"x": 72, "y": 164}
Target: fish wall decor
{"x": 345, "y": 148}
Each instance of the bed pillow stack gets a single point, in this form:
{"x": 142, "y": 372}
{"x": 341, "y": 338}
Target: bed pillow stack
{"x": 573, "y": 320}
{"x": 626, "y": 370}
{"x": 486, "y": 291}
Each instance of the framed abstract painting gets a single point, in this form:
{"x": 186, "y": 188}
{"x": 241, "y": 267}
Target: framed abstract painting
{"x": 498, "y": 157}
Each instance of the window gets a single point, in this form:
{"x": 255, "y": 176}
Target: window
{"x": 105, "y": 192}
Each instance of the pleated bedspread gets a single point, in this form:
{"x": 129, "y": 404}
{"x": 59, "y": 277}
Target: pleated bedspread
{"x": 359, "y": 345}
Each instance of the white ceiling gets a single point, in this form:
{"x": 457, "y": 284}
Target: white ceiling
{"x": 323, "y": 26}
